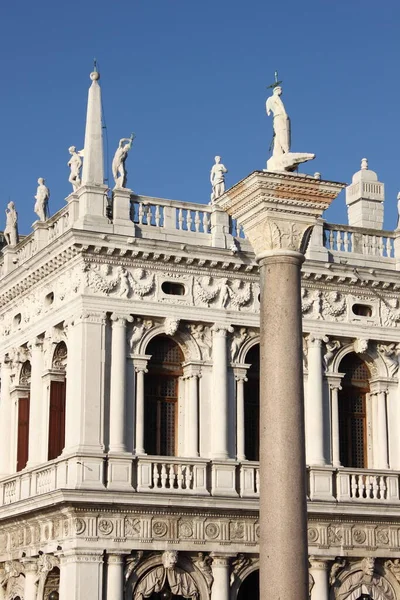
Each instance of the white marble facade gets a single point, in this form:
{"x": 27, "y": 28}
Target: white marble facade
{"x": 103, "y": 498}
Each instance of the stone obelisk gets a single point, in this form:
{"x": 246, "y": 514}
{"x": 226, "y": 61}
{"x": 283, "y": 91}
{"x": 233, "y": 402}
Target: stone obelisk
{"x": 277, "y": 212}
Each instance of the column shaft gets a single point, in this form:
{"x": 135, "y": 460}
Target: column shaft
{"x": 192, "y": 433}
{"x": 30, "y": 582}
{"x": 5, "y": 419}
{"x": 140, "y": 410}
{"x": 36, "y": 432}
{"x": 240, "y": 419}
{"x": 220, "y": 395}
{"x": 283, "y": 512}
{"x": 115, "y": 576}
{"x": 381, "y": 437}
{"x": 319, "y": 570}
{"x": 117, "y": 384}
{"x": 220, "y": 571}
{"x": 81, "y": 576}
{"x": 335, "y": 426}
{"x": 315, "y": 404}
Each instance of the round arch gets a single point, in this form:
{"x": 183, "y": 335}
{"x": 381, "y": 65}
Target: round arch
{"x": 246, "y": 346}
{"x": 353, "y": 581}
{"x": 184, "y": 339}
{"x": 252, "y": 567}
{"x": 155, "y": 561}
{"x": 375, "y": 363}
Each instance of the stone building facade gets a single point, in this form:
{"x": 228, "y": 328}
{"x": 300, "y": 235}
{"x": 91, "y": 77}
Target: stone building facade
{"x": 129, "y": 350}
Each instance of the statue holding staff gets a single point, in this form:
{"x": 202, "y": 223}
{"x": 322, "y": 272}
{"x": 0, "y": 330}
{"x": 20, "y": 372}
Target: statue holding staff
{"x": 118, "y": 164}
{"x": 42, "y": 200}
{"x": 11, "y": 228}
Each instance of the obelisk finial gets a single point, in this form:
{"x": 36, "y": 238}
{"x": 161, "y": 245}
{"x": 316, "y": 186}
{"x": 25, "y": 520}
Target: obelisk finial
{"x": 95, "y": 75}
{"x": 92, "y": 173}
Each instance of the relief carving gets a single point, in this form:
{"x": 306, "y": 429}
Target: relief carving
{"x": 390, "y": 355}
{"x": 140, "y": 326}
{"x": 106, "y": 279}
{"x": 202, "y": 335}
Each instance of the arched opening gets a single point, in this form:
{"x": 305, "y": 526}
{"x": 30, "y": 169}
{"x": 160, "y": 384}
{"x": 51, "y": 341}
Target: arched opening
{"x": 252, "y": 405}
{"x": 352, "y": 412}
{"x": 250, "y": 587}
{"x": 23, "y": 415}
{"x": 56, "y": 440}
{"x": 52, "y": 585}
{"x": 161, "y": 392}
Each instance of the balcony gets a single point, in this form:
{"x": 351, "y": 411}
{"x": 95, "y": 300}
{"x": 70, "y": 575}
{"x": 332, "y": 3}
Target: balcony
{"x": 191, "y": 478}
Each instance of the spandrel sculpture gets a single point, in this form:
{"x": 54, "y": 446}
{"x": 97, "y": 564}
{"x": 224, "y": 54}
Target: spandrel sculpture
{"x": 11, "y": 228}
{"x": 42, "y": 200}
{"x": 217, "y": 179}
{"x": 75, "y": 164}
{"x": 118, "y": 164}
{"x": 282, "y": 158}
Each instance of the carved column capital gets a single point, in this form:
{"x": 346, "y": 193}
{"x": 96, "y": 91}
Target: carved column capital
{"x": 120, "y": 319}
{"x": 221, "y": 330}
{"x": 221, "y": 559}
{"x": 322, "y": 564}
{"x": 191, "y": 369}
{"x": 315, "y": 340}
{"x": 240, "y": 372}
{"x": 140, "y": 363}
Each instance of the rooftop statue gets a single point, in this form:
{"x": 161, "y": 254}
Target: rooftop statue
{"x": 217, "y": 179}
{"x": 118, "y": 163}
{"x": 42, "y": 200}
{"x": 75, "y": 164}
{"x": 282, "y": 159}
{"x": 11, "y": 228}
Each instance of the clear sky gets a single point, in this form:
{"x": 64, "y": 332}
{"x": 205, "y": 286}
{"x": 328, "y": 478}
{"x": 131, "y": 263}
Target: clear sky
{"x": 189, "y": 78}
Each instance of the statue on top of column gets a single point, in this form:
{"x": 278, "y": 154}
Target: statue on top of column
{"x": 11, "y": 228}
{"x": 118, "y": 164}
{"x": 217, "y": 179}
{"x": 282, "y": 159}
{"x": 42, "y": 200}
{"x": 75, "y": 164}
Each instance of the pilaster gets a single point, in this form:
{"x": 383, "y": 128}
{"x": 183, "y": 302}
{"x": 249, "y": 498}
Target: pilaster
{"x": 81, "y": 574}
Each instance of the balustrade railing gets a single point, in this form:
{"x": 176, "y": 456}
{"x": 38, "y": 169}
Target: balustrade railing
{"x": 344, "y": 239}
{"x": 58, "y": 224}
{"x": 201, "y": 477}
{"x": 172, "y": 215}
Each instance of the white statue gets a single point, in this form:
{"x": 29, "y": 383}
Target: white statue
{"x": 282, "y": 159}
{"x": 118, "y": 163}
{"x": 217, "y": 179}
{"x": 75, "y": 164}
{"x": 11, "y": 228}
{"x": 42, "y": 200}
{"x": 398, "y": 211}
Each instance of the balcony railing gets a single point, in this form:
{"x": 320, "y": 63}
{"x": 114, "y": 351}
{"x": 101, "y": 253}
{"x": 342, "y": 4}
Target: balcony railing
{"x": 357, "y": 240}
{"x": 194, "y": 477}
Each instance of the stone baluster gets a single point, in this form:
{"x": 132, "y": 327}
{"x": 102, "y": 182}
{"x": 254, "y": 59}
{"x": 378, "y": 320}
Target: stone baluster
{"x": 220, "y": 570}
{"x": 240, "y": 378}
{"x": 334, "y": 387}
{"x": 220, "y": 392}
{"x": 315, "y": 402}
{"x": 118, "y": 381}
{"x": 140, "y": 364}
{"x": 319, "y": 569}
{"x": 30, "y": 568}
{"x": 5, "y": 417}
{"x": 191, "y": 375}
{"x": 36, "y": 409}
{"x": 115, "y": 576}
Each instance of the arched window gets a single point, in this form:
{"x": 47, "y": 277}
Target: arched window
{"x": 56, "y": 441}
{"x": 252, "y": 405}
{"x": 23, "y": 415}
{"x": 250, "y": 587}
{"x": 161, "y": 396}
{"x": 352, "y": 412}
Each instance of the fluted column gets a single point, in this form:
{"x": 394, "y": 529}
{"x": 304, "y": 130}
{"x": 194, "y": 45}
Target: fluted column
{"x": 5, "y": 417}
{"x": 220, "y": 393}
{"x": 30, "y": 568}
{"x": 140, "y": 364}
{"x": 191, "y": 375}
{"x": 334, "y": 387}
{"x": 36, "y": 406}
{"x": 381, "y": 459}
{"x": 220, "y": 571}
{"x": 319, "y": 569}
{"x": 315, "y": 403}
{"x": 117, "y": 384}
{"x": 115, "y": 577}
{"x": 240, "y": 378}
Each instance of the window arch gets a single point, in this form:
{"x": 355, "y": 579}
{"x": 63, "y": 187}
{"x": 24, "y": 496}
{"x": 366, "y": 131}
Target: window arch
{"x": 353, "y": 412}
{"x": 161, "y": 396}
{"x": 23, "y": 415}
{"x": 252, "y": 405}
{"x": 56, "y": 441}
{"x": 250, "y": 588}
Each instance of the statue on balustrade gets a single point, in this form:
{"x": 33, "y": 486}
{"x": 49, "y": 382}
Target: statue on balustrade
{"x": 42, "y": 200}
{"x": 282, "y": 158}
{"x": 75, "y": 164}
{"x": 217, "y": 179}
{"x": 118, "y": 164}
{"x": 11, "y": 228}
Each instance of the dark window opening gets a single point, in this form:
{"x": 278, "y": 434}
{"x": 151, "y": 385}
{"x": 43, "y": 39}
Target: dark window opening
{"x": 57, "y": 419}
{"x": 362, "y": 310}
{"x": 252, "y": 405}
{"x": 172, "y": 288}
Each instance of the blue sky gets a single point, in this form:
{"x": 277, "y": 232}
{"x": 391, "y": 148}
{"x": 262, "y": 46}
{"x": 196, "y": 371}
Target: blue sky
{"x": 189, "y": 78}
